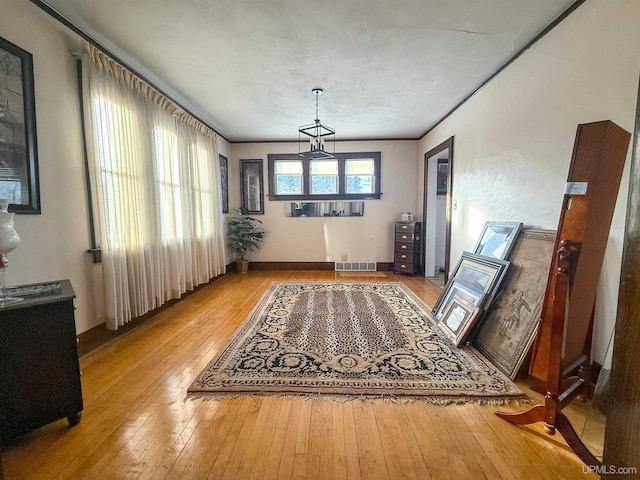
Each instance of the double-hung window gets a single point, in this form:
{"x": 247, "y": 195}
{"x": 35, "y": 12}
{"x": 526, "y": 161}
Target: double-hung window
{"x": 360, "y": 175}
{"x": 348, "y": 176}
{"x": 287, "y": 176}
{"x": 323, "y": 177}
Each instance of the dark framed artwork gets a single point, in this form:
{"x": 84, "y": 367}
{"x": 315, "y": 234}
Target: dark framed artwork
{"x": 458, "y": 319}
{"x": 251, "y": 186}
{"x": 497, "y": 239}
{"x": 18, "y": 152}
{"x": 224, "y": 182}
{"x": 453, "y": 288}
{"x": 506, "y": 332}
{"x": 480, "y": 272}
{"x": 442, "y": 177}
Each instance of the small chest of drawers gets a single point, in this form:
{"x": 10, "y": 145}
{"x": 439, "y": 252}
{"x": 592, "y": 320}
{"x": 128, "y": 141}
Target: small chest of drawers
{"x": 39, "y": 368}
{"x": 406, "y": 256}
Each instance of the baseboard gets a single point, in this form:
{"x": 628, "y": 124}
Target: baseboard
{"x": 322, "y": 266}
{"x": 593, "y": 378}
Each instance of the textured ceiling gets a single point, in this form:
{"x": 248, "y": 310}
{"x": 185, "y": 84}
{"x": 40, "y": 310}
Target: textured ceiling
{"x": 390, "y": 69}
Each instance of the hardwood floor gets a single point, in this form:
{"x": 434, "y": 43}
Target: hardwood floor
{"x": 137, "y": 422}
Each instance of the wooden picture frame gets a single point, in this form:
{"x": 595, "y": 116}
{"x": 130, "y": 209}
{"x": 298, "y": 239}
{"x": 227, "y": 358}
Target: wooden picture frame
{"x": 478, "y": 273}
{"x": 251, "y": 186}
{"x": 458, "y": 319}
{"x": 224, "y": 182}
{"x": 455, "y": 287}
{"x": 19, "y": 182}
{"x": 497, "y": 239}
{"x": 507, "y": 330}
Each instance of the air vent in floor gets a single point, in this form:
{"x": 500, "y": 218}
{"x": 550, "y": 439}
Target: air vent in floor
{"x": 356, "y": 266}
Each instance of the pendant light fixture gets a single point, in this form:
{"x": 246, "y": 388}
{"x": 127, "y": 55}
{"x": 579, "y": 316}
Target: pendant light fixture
{"x": 316, "y": 136}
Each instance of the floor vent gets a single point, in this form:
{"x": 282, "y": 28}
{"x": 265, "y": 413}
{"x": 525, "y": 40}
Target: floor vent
{"x": 356, "y": 266}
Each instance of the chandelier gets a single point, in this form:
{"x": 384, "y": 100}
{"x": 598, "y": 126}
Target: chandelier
{"x": 317, "y": 134}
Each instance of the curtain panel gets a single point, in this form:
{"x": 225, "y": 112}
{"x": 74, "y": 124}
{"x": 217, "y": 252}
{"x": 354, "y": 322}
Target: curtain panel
{"x": 155, "y": 181}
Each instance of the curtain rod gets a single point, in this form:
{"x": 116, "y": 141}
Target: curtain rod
{"x": 85, "y": 36}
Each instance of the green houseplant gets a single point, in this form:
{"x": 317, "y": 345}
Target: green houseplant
{"x": 245, "y": 235}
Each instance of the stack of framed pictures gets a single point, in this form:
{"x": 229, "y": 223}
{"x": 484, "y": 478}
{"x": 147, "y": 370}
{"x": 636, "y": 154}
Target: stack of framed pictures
{"x": 475, "y": 281}
{"x": 506, "y": 332}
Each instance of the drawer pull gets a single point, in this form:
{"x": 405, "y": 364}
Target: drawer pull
{"x": 404, "y": 247}
{"x": 403, "y": 266}
{"x": 403, "y": 256}
{"x": 405, "y": 236}
{"x": 404, "y": 227}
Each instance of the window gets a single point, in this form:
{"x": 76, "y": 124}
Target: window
{"x": 349, "y": 176}
{"x": 288, "y": 177}
{"x": 323, "y": 177}
{"x": 155, "y": 186}
{"x": 117, "y": 169}
{"x": 165, "y": 146}
{"x": 360, "y": 175}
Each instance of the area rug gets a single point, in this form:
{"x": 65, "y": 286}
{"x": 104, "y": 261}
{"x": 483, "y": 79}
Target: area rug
{"x": 349, "y": 340}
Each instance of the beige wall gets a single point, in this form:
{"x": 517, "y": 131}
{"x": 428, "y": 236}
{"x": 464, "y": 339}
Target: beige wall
{"x": 514, "y": 138}
{"x": 367, "y": 238}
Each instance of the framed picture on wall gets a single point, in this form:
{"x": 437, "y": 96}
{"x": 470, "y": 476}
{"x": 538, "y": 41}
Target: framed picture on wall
{"x": 251, "y": 186}
{"x": 442, "y": 176}
{"x": 224, "y": 182}
{"x": 18, "y": 152}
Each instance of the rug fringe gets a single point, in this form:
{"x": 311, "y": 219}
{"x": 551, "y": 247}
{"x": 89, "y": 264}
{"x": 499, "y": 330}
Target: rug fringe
{"x": 400, "y": 399}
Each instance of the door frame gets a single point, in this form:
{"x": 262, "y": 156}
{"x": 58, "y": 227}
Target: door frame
{"x": 447, "y": 144}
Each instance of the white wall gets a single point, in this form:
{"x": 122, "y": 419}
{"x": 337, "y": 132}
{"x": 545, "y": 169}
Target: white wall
{"x": 514, "y": 138}
{"x": 324, "y": 239}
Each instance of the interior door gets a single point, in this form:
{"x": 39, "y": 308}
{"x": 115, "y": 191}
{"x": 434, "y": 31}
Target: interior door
{"x": 436, "y": 211}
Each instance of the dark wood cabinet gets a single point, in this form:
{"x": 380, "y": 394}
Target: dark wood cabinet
{"x": 39, "y": 368}
{"x": 406, "y": 257}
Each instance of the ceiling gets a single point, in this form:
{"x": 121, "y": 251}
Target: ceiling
{"x": 391, "y": 69}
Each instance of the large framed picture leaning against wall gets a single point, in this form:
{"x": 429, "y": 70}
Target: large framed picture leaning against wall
{"x": 507, "y": 331}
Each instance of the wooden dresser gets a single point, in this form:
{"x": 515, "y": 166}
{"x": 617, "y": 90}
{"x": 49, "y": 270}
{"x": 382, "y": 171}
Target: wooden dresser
{"x": 406, "y": 257}
{"x": 39, "y": 369}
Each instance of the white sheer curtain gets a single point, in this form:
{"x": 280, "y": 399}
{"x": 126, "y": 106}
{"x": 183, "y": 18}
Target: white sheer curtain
{"x": 156, "y": 192}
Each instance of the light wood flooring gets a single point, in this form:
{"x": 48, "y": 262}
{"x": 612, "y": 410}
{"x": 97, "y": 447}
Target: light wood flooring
{"x": 138, "y": 424}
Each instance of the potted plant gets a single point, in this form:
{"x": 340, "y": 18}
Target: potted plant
{"x": 245, "y": 235}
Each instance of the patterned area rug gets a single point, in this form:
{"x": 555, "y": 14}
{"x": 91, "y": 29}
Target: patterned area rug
{"x": 343, "y": 340}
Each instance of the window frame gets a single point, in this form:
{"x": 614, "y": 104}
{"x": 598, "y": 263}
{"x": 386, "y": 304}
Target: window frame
{"x": 306, "y": 177}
